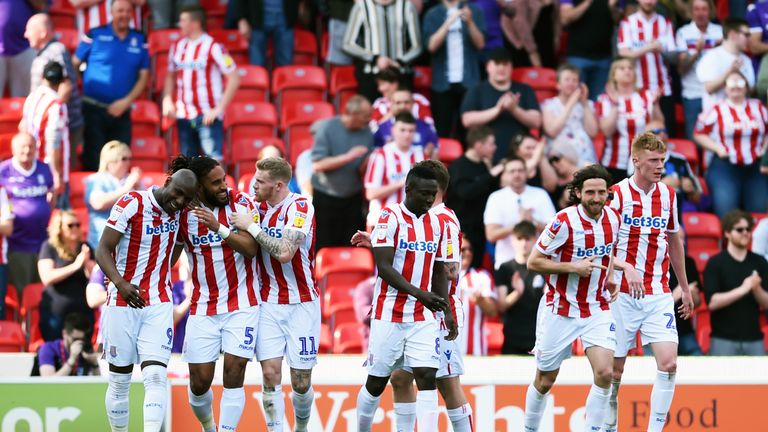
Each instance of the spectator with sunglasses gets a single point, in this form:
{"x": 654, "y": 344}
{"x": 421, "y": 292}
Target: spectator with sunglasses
{"x": 734, "y": 130}
{"x": 64, "y": 266}
{"x": 736, "y": 287}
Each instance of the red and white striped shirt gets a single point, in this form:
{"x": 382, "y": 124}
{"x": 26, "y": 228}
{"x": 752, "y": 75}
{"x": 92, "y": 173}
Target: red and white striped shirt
{"x": 416, "y": 241}
{"x": 199, "y": 66}
{"x": 740, "y": 129}
{"x": 143, "y": 256}
{"x": 634, "y": 114}
{"x": 224, "y": 280}
{"x": 292, "y": 282}
{"x": 422, "y": 109}
{"x": 6, "y": 213}
{"x": 635, "y": 32}
{"x": 389, "y": 165}
{"x": 46, "y": 119}
{"x": 101, "y": 14}
{"x": 472, "y": 337}
{"x": 450, "y": 251}
{"x": 645, "y": 221}
{"x": 573, "y": 236}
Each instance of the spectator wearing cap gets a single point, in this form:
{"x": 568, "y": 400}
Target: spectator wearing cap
{"x": 507, "y": 107}
{"x": 736, "y": 288}
{"x": 45, "y": 118}
{"x": 257, "y": 20}
{"x": 388, "y": 81}
{"x": 72, "y": 354}
{"x": 454, "y": 36}
{"x": 109, "y": 89}
{"x": 15, "y": 54}
{"x": 338, "y": 157}
{"x": 40, "y": 35}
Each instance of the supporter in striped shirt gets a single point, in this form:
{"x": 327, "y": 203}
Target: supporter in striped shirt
{"x": 289, "y": 322}
{"x": 197, "y": 66}
{"x": 649, "y": 242}
{"x": 223, "y": 310}
{"x": 648, "y": 38}
{"x": 478, "y": 300}
{"x": 389, "y": 165}
{"x": 96, "y": 13}
{"x": 135, "y": 253}
{"x": 735, "y": 131}
{"x": 622, "y": 112}
{"x": 388, "y": 81}
{"x": 45, "y": 118}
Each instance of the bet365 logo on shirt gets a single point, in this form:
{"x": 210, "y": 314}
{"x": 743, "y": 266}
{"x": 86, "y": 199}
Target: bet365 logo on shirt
{"x": 595, "y": 251}
{"x": 644, "y": 222}
{"x": 418, "y": 246}
{"x": 163, "y": 228}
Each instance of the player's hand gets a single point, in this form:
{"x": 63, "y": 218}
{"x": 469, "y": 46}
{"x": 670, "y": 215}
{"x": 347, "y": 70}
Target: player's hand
{"x": 613, "y": 289}
{"x": 361, "y": 239}
{"x": 635, "y": 282}
{"x": 131, "y": 294}
{"x": 242, "y": 221}
{"x": 207, "y": 218}
{"x": 451, "y": 325}
{"x": 686, "y": 308}
{"x": 585, "y": 267}
{"x": 75, "y": 350}
{"x": 432, "y": 301}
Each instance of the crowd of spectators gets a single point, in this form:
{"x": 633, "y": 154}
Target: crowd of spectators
{"x": 623, "y": 69}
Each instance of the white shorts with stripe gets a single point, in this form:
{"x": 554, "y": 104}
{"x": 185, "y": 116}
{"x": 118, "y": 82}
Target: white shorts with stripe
{"x": 652, "y": 315}
{"x": 393, "y": 346}
{"x": 558, "y": 334}
{"x": 207, "y": 336}
{"x": 133, "y": 336}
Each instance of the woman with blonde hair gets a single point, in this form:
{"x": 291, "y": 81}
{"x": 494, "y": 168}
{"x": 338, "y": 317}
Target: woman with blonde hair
{"x": 114, "y": 179}
{"x": 623, "y": 112}
{"x": 64, "y": 265}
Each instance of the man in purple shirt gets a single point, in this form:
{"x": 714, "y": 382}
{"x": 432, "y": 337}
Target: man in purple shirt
{"x": 426, "y": 135}
{"x": 71, "y": 355}
{"x": 15, "y": 54}
{"x": 757, "y": 17}
{"x": 29, "y": 184}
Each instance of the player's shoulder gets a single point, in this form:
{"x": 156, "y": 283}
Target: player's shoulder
{"x": 301, "y": 203}
{"x": 131, "y": 197}
{"x": 240, "y": 197}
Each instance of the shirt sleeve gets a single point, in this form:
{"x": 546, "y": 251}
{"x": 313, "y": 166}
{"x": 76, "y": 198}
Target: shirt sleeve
{"x": 669, "y": 37}
{"x": 616, "y": 202}
{"x": 54, "y": 129}
{"x": 623, "y": 39}
{"x": 471, "y": 101}
{"x": 171, "y": 64}
{"x": 384, "y": 232}
{"x": 321, "y": 149}
{"x": 84, "y": 48}
{"x": 494, "y": 211}
{"x": 47, "y": 251}
{"x": 450, "y": 240}
{"x": 144, "y": 55}
{"x": 706, "y": 69}
{"x": 680, "y": 40}
{"x": 760, "y": 239}
{"x": 503, "y": 276}
{"x": 554, "y": 236}
{"x": 487, "y": 287}
{"x": 299, "y": 216}
{"x": 6, "y": 209}
{"x": 528, "y": 99}
{"x": 374, "y": 173}
{"x": 753, "y": 19}
{"x": 47, "y": 355}
{"x": 673, "y": 225}
{"x": 707, "y": 123}
{"x": 123, "y": 211}
{"x": 223, "y": 60}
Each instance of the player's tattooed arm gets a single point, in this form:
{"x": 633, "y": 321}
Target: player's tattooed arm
{"x": 451, "y": 270}
{"x": 282, "y": 249}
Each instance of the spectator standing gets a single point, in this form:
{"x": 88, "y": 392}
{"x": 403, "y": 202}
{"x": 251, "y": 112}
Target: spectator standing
{"x": 382, "y": 34}
{"x": 45, "y": 118}
{"x": 197, "y": 66}
{"x": 520, "y": 291}
{"x": 426, "y": 136}
{"x": 114, "y": 179}
{"x": 454, "y": 36}
{"x": 389, "y": 165}
{"x": 71, "y": 354}
{"x": 338, "y": 13}
{"x": 531, "y": 28}
{"x": 338, "y": 157}
{"x": 760, "y": 238}
{"x": 64, "y": 266}
{"x": 714, "y": 67}
{"x": 29, "y": 184}
{"x": 96, "y": 13}
{"x": 623, "y": 112}
{"x": 694, "y": 40}
{"x": 6, "y": 228}
{"x": 109, "y": 91}
{"x": 257, "y": 20}
{"x": 570, "y": 117}
{"x": 478, "y": 299}
{"x": 736, "y": 287}
{"x": 388, "y": 81}
{"x": 494, "y": 38}
{"x": 757, "y": 18}
{"x": 735, "y": 131}
{"x": 15, "y": 54}
{"x": 512, "y": 204}
{"x": 473, "y": 179}
{"x": 590, "y": 25}
{"x": 40, "y": 35}
{"x": 163, "y": 13}
{"x": 648, "y": 38}
{"x": 507, "y": 107}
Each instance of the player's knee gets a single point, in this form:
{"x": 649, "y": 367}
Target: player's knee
{"x": 425, "y": 378}
{"x": 603, "y": 376}
{"x": 198, "y": 387}
{"x": 544, "y": 382}
{"x": 401, "y": 380}
{"x": 376, "y": 385}
{"x": 272, "y": 375}
{"x": 668, "y": 365}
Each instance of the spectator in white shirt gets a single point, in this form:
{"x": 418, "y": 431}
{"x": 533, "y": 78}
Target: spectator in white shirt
{"x": 718, "y": 63}
{"x": 512, "y": 204}
{"x": 570, "y": 116}
{"x": 695, "y": 39}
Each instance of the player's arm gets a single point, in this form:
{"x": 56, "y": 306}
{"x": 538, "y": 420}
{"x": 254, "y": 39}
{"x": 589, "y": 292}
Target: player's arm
{"x": 241, "y": 242}
{"x": 282, "y": 249}
{"x": 677, "y": 259}
{"x": 383, "y": 257}
{"x": 542, "y": 264}
{"x": 440, "y": 287}
{"x": 110, "y": 238}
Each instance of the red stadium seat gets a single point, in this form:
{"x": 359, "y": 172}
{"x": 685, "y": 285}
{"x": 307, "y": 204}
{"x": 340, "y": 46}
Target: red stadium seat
{"x": 298, "y": 117}
{"x": 304, "y": 48}
{"x": 12, "y": 306}
{"x": 298, "y": 83}
{"x": 577, "y": 348}
{"x": 160, "y": 41}
{"x": 702, "y": 230}
{"x": 326, "y": 339}
{"x": 150, "y": 153}
{"x": 31, "y": 297}
{"x": 254, "y": 84}
{"x": 494, "y": 337}
{"x": 62, "y": 14}
{"x": 244, "y": 182}
{"x": 10, "y": 114}
{"x": 686, "y": 148}
{"x": 5, "y": 146}
{"x": 153, "y": 178}
{"x": 77, "y": 187}
{"x": 250, "y": 120}
{"x": 159, "y": 71}
{"x": 214, "y": 7}
{"x": 342, "y": 267}
{"x": 343, "y": 85}
{"x": 342, "y": 316}
{"x": 145, "y": 119}
{"x": 703, "y": 326}
{"x": 450, "y": 150}
{"x": 68, "y": 37}
{"x": 347, "y": 339}
{"x": 702, "y": 256}
{"x": 422, "y": 80}
{"x": 543, "y": 81}
{"x": 245, "y": 153}
{"x": 11, "y": 337}
{"x": 233, "y": 42}
{"x": 297, "y": 147}
{"x": 338, "y": 297}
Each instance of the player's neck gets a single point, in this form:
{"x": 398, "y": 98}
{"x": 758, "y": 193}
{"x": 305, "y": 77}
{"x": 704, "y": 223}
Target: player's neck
{"x": 195, "y": 35}
{"x": 648, "y": 15}
{"x": 642, "y": 183}
{"x": 279, "y": 197}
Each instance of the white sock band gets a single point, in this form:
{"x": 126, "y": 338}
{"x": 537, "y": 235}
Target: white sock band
{"x": 535, "y": 403}
{"x": 274, "y": 408}
{"x": 231, "y": 408}
{"x": 367, "y": 405}
{"x": 461, "y": 418}
{"x": 117, "y": 401}
{"x": 302, "y": 408}
{"x": 405, "y": 416}
{"x": 426, "y": 410}
{"x": 661, "y": 399}
{"x": 202, "y": 407}
{"x": 596, "y": 408}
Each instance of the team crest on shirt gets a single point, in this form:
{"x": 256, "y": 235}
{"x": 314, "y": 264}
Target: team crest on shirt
{"x": 665, "y": 205}
{"x": 243, "y": 200}
{"x": 127, "y": 198}
{"x": 113, "y": 351}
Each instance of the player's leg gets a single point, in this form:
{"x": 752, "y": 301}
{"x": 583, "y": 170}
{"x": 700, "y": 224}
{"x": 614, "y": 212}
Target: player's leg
{"x": 117, "y": 399}
{"x": 449, "y": 385}
{"x": 119, "y": 334}
{"x": 599, "y": 338}
{"x": 422, "y": 354}
{"x": 404, "y": 399}
{"x": 385, "y": 354}
{"x": 154, "y": 343}
{"x": 368, "y": 401}
{"x": 239, "y": 335}
{"x": 659, "y": 330}
{"x": 270, "y": 348}
{"x": 202, "y": 346}
{"x": 628, "y": 317}
{"x": 536, "y": 398}
{"x": 303, "y": 330}
{"x": 426, "y": 398}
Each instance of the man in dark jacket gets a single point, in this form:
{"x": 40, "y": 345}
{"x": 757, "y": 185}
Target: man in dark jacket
{"x": 259, "y": 19}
